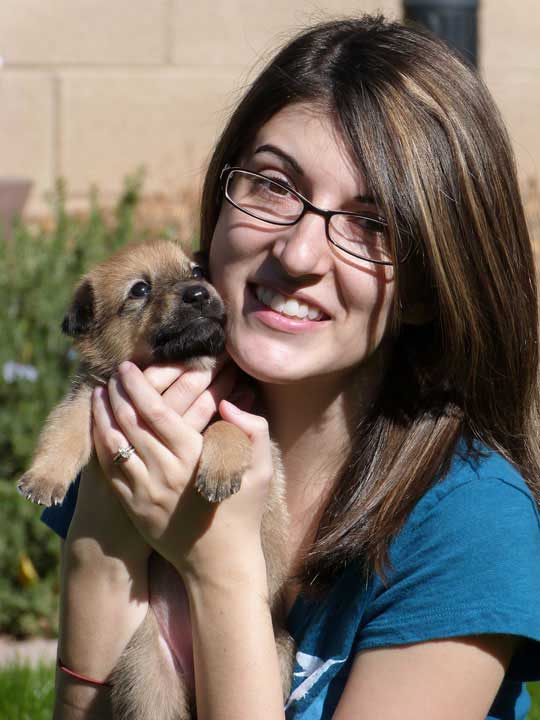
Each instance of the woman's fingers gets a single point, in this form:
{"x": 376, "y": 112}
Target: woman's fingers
{"x": 162, "y": 377}
{"x": 133, "y": 400}
{"x": 205, "y": 406}
{"x": 194, "y": 394}
{"x": 180, "y": 386}
{"x": 108, "y": 440}
{"x": 254, "y": 426}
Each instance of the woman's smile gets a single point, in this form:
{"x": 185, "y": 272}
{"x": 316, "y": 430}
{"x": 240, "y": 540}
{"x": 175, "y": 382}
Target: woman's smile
{"x": 278, "y": 312}
{"x": 286, "y": 305}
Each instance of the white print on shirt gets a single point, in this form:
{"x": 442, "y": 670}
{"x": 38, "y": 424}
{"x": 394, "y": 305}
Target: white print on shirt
{"x": 312, "y": 669}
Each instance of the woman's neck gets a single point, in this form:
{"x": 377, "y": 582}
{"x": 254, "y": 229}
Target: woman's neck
{"x": 313, "y": 422}
{"x": 299, "y": 410}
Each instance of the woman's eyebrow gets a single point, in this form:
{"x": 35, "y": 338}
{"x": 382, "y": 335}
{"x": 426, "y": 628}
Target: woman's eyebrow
{"x": 281, "y": 154}
{"x": 367, "y": 199}
{"x": 274, "y": 150}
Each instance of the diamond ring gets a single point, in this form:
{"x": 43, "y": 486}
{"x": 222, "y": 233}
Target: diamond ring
{"x": 123, "y": 454}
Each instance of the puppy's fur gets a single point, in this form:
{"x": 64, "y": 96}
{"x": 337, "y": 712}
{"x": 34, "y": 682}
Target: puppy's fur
{"x": 150, "y": 303}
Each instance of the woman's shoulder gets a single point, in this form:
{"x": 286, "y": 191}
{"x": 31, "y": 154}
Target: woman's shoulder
{"x": 472, "y": 535}
{"x": 467, "y": 561}
{"x": 482, "y": 482}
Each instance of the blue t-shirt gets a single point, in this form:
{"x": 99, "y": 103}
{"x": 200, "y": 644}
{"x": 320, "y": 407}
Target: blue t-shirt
{"x": 467, "y": 561}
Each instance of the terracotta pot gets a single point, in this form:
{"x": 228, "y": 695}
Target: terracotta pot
{"x": 13, "y": 195}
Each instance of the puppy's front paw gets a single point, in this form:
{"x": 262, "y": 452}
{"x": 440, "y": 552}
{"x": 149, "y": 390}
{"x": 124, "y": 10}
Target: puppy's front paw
{"x": 214, "y": 486}
{"x": 225, "y": 456}
{"x": 40, "y": 489}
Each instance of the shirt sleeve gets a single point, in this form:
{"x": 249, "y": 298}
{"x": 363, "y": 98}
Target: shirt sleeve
{"x": 58, "y": 517}
{"x": 467, "y": 562}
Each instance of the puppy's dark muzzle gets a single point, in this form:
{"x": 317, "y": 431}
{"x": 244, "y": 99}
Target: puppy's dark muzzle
{"x": 197, "y": 330}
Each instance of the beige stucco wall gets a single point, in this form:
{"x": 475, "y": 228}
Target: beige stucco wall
{"x": 92, "y": 89}
{"x": 510, "y": 64}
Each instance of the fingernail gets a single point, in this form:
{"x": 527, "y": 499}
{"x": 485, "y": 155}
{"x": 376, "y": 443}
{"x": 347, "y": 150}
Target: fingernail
{"x": 232, "y": 407}
{"x": 125, "y": 366}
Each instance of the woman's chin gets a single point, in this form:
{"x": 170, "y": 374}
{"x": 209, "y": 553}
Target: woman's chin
{"x": 265, "y": 373}
{"x": 266, "y": 365}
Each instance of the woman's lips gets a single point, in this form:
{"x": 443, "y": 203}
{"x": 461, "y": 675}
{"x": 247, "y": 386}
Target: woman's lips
{"x": 276, "y": 320}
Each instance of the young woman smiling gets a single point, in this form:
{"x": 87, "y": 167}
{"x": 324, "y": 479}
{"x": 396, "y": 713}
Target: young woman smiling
{"x": 363, "y": 224}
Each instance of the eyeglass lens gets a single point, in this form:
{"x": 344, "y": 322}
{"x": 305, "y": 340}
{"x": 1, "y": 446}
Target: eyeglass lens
{"x": 265, "y": 199}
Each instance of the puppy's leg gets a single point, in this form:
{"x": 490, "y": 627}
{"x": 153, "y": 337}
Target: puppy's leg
{"x": 285, "y": 649}
{"x": 274, "y": 536}
{"x": 63, "y": 449}
{"x": 145, "y": 682}
{"x": 225, "y": 456}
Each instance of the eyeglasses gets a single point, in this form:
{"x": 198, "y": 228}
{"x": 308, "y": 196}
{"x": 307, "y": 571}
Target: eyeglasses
{"x": 362, "y": 235}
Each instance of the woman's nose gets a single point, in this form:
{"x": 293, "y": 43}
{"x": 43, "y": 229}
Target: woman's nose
{"x": 302, "y": 249}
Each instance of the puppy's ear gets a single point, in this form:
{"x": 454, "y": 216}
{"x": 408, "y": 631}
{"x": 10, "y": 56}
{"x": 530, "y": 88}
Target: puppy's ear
{"x": 80, "y": 316}
{"x": 200, "y": 257}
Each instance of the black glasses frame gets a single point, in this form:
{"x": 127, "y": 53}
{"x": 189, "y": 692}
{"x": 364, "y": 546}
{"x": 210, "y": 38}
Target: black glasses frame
{"x": 307, "y": 207}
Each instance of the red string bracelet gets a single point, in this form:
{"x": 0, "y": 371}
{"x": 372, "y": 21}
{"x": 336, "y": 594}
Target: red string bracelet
{"x": 63, "y": 668}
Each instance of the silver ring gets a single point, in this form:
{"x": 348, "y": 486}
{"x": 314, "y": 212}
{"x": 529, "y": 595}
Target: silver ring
{"x": 123, "y": 454}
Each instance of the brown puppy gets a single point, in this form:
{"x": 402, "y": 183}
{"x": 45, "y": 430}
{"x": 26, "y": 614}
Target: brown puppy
{"x": 150, "y": 303}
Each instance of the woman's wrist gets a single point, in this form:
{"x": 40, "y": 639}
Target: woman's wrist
{"x": 231, "y": 618}
{"x": 242, "y": 569}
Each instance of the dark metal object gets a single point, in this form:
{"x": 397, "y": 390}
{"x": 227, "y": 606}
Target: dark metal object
{"x": 454, "y": 21}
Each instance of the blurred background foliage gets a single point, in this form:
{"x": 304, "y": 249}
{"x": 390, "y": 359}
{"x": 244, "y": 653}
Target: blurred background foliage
{"x": 39, "y": 266}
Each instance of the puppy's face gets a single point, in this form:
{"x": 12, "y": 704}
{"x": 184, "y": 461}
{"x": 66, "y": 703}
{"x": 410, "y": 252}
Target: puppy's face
{"x": 147, "y": 303}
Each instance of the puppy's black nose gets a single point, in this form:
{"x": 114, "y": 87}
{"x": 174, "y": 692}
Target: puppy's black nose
{"x": 195, "y": 294}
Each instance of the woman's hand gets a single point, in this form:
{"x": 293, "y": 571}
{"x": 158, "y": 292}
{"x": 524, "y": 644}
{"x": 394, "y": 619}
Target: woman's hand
{"x": 156, "y": 484}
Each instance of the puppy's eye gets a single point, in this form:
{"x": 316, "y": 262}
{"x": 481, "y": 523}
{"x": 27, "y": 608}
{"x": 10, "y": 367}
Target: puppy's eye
{"x": 197, "y": 272}
{"x": 140, "y": 289}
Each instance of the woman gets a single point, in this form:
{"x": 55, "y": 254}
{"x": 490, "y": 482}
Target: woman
{"x": 393, "y": 336}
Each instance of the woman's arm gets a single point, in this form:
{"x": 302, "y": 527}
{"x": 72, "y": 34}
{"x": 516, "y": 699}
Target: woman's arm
{"x": 103, "y": 597}
{"x": 216, "y": 548}
{"x": 104, "y": 562}
{"x": 237, "y": 673}
{"x": 439, "y": 680}
{"x": 236, "y": 665}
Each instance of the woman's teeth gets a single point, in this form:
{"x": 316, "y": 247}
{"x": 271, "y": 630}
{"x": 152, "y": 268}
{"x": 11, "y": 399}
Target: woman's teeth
{"x": 285, "y": 306}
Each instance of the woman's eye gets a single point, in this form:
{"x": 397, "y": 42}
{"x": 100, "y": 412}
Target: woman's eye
{"x": 197, "y": 273}
{"x": 372, "y": 225}
{"x": 268, "y": 185}
{"x": 140, "y": 289}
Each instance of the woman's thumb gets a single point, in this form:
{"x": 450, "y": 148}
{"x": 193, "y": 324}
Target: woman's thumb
{"x": 252, "y": 425}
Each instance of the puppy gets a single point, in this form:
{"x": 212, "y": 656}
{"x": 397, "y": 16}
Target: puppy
{"x": 150, "y": 303}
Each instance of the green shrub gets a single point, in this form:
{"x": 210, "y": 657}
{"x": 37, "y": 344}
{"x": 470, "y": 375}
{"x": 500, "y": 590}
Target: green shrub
{"x": 38, "y": 269}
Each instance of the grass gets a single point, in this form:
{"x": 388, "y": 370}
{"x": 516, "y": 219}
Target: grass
{"x": 534, "y": 690}
{"x": 27, "y": 693}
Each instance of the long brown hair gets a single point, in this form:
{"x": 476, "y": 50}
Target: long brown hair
{"x": 429, "y": 139}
